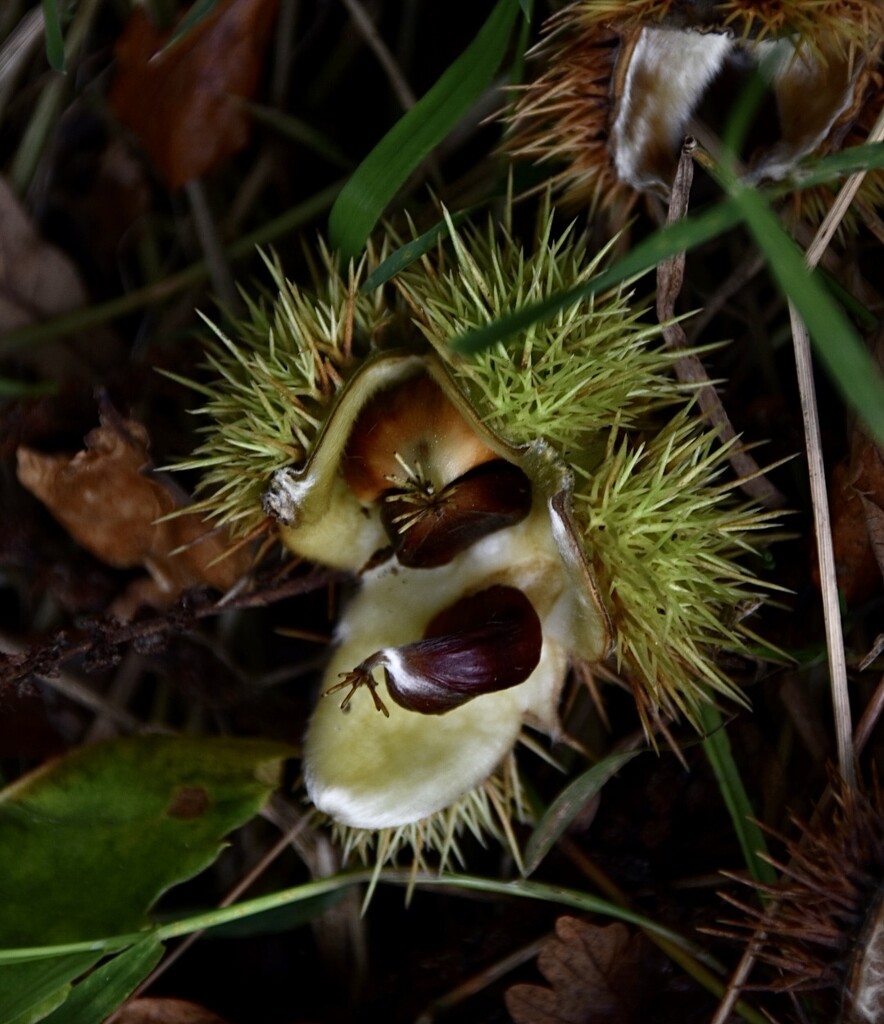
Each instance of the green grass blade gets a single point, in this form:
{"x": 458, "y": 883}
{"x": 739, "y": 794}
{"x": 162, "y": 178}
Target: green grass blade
{"x": 867, "y": 157}
{"x": 836, "y": 343}
{"x": 717, "y": 748}
{"x": 96, "y": 997}
{"x": 568, "y": 804}
{"x": 199, "y": 11}
{"x": 290, "y": 127}
{"x": 50, "y": 104}
{"x": 575, "y": 899}
{"x": 29, "y": 992}
{"x": 679, "y": 237}
{"x": 377, "y": 179}
{"x": 312, "y": 890}
{"x": 54, "y": 38}
{"x": 22, "y": 389}
{"x": 406, "y": 254}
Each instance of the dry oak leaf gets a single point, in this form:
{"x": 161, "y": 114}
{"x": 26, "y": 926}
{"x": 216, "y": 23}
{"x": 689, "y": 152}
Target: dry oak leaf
{"x": 592, "y": 971}
{"x": 183, "y": 103}
{"x": 109, "y": 505}
{"x": 165, "y": 1011}
{"x": 857, "y": 496}
{"x": 856, "y": 493}
{"x": 37, "y": 281}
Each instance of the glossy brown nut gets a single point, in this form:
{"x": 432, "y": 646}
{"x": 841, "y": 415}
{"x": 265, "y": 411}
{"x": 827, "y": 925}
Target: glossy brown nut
{"x": 483, "y": 643}
{"x": 427, "y": 531}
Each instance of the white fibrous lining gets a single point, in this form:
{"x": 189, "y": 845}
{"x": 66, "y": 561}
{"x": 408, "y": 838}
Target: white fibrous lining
{"x": 680, "y": 65}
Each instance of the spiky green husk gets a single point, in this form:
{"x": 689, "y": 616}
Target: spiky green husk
{"x": 847, "y": 22}
{"x": 656, "y": 515}
{"x": 564, "y": 381}
{"x": 666, "y": 534}
{"x": 660, "y": 521}
{"x": 276, "y": 375}
{"x": 562, "y": 119}
{"x": 851, "y": 23}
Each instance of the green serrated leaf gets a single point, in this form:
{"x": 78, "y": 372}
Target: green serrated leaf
{"x": 98, "y": 995}
{"x": 89, "y": 842}
{"x": 568, "y": 804}
{"x": 377, "y": 179}
{"x": 54, "y": 38}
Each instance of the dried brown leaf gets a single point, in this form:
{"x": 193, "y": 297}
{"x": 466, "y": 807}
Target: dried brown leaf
{"x": 875, "y": 526}
{"x": 592, "y": 971}
{"x": 109, "y": 504}
{"x": 183, "y": 102}
{"x": 37, "y": 281}
{"x": 857, "y": 497}
{"x": 165, "y": 1011}
{"x": 858, "y": 575}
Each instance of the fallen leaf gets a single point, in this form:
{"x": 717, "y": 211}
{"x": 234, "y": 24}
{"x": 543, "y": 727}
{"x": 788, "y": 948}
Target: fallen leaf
{"x": 87, "y": 847}
{"x": 165, "y": 1011}
{"x": 875, "y": 526}
{"x": 857, "y": 498}
{"x": 592, "y": 971}
{"x": 109, "y": 504}
{"x": 183, "y": 102}
{"x": 37, "y": 280}
{"x": 97, "y": 194}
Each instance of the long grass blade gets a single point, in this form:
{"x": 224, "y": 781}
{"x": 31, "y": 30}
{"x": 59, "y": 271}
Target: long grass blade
{"x": 54, "y": 37}
{"x": 380, "y": 175}
{"x": 568, "y": 804}
{"x": 835, "y": 342}
{"x": 717, "y": 748}
{"x": 682, "y": 236}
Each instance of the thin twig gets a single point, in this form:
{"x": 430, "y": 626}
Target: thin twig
{"x": 121, "y": 691}
{"x": 44, "y": 660}
{"x": 480, "y": 981}
{"x": 738, "y": 979}
{"x": 220, "y": 273}
{"x": 286, "y": 30}
{"x": 78, "y": 691}
{"x": 688, "y": 368}
{"x": 825, "y": 553}
{"x": 735, "y": 282}
{"x": 379, "y": 48}
{"x": 817, "y": 474}
{"x": 869, "y": 718}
